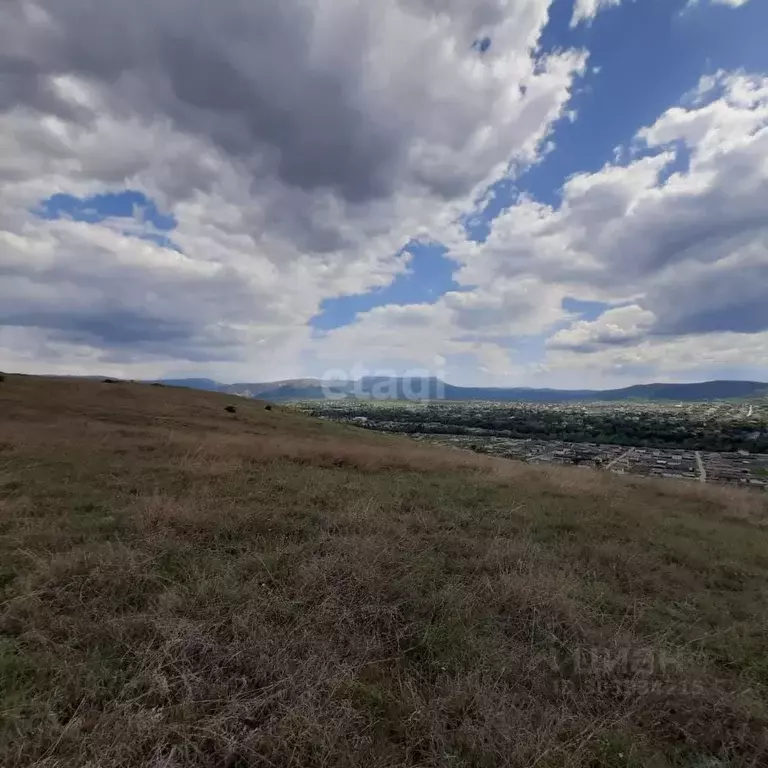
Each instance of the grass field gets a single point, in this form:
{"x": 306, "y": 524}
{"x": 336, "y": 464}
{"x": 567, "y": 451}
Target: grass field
{"x": 182, "y": 586}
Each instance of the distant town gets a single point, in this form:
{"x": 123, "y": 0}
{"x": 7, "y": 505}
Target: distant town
{"x": 713, "y": 442}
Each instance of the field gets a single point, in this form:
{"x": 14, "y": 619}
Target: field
{"x": 183, "y": 586}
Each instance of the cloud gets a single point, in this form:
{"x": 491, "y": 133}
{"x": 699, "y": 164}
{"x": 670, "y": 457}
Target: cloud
{"x": 297, "y": 145}
{"x": 732, "y": 3}
{"x": 482, "y": 322}
{"x": 682, "y": 358}
{"x": 679, "y": 235}
{"x": 586, "y": 10}
{"x": 359, "y": 99}
{"x": 618, "y": 327}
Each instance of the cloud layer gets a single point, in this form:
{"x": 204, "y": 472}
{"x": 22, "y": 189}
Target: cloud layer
{"x": 299, "y": 145}
{"x": 676, "y": 239}
{"x": 674, "y": 242}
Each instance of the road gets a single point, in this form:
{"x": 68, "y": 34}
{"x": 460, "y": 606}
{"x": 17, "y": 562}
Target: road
{"x": 700, "y": 465}
{"x": 619, "y": 458}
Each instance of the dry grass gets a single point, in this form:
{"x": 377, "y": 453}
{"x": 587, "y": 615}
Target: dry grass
{"x": 182, "y": 586}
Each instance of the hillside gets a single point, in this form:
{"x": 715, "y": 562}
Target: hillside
{"x": 183, "y": 586}
{"x": 383, "y": 388}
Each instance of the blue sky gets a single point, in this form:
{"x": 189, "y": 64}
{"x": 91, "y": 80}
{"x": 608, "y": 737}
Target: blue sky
{"x": 204, "y": 206}
{"x": 644, "y": 57}
{"x": 127, "y": 205}
{"x": 649, "y": 53}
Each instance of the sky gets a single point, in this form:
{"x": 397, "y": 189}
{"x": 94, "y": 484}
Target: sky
{"x": 546, "y": 193}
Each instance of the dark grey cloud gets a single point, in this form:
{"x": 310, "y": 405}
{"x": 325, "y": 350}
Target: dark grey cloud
{"x": 114, "y": 327}
{"x": 273, "y": 84}
{"x": 357, "y": 98}
{"x": 480, "y": 15}
{"x": 299, "y": 145}
{"x": 596, "y": 345}
{"x": 242, "y": 76}
{"x": 712, "y": 302}
{"x": 742, "y": 316}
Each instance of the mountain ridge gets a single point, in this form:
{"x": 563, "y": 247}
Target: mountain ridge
{"x": 405, "y": 388}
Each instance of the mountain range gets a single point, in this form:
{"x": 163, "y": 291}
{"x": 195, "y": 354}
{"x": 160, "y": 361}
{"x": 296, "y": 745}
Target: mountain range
{"x": 385, "y": 388}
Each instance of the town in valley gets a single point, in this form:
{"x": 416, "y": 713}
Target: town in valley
{"x": 723, "y": 442}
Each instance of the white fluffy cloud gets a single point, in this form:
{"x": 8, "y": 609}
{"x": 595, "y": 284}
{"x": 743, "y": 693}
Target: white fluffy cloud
{"x": 681, "y": 358}
{"x": 481, "y": 324}
{"x": 732, "y": 3}
{"x": 299, "y": 145}
{"x": 616, "y": 327}
{"x": 586, "y": 10}
{"x": 678, "y": 236}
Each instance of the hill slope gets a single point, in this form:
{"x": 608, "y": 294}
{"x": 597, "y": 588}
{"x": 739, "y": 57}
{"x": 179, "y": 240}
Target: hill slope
{"x": 186, "y": 586}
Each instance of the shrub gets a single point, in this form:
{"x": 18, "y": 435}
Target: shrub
{"x": 231, "y": 409}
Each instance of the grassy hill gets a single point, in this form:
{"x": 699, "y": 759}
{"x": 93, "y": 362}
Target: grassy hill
{"x": 183, "y": 586}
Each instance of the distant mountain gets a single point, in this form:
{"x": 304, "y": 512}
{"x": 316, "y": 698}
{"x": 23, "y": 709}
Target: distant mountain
{"x": 385, "y": 388}
{"x": 207, "y": 384}
{"x": 276, "y": 390}
{"x": 706, "y": 390}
